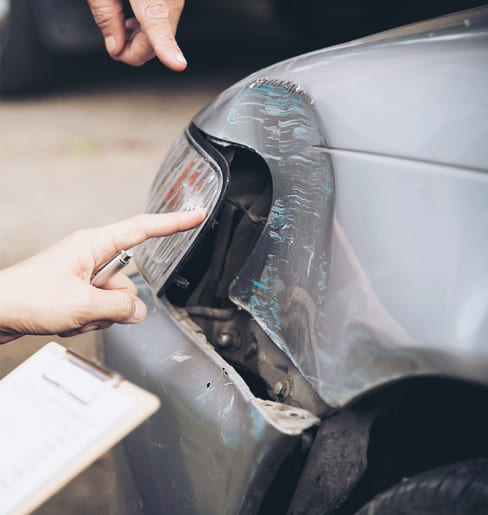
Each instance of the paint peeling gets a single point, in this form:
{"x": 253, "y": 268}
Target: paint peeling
{"x": 276, "y": 119}
{"x": 229, "y": 433}
{"x": 180, "y": 356}
{"x": 288, "y": 134}
{"x": 309, "y": 263}
{"x": 259, "y": 285}
{"x": 205, "y": 394}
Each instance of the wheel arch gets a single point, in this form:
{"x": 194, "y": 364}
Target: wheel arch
{"x": 393, "y": 432}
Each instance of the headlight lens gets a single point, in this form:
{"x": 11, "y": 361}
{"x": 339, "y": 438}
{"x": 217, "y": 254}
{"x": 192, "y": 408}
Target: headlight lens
{"x": 193, "y": 175}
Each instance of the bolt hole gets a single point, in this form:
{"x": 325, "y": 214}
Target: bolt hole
{"x": 208, "y": 385}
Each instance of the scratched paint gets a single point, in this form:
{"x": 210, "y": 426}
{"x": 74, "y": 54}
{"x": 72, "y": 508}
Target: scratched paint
{"x": 347, "y": 276}
{"x": 206, "y": 394}
{"x": 285, "y": 283}
{"x": 179, "y": 357}
{"x": 201, "y": 436}
{"x": 229, "y": 430}
{"x": 290, "y": 136}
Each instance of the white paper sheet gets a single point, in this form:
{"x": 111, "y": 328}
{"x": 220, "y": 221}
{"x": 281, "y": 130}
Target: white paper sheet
{"x": 52, "y": 410}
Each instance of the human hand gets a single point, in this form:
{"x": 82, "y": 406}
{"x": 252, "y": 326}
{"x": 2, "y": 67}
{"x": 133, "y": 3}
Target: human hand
{"x": 50, "y": 293}
{"x": 137, "y": 40}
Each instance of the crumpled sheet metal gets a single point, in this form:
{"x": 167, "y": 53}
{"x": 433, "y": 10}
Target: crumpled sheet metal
{"x": 212, "y": 447}
{"x": 356, "y": 277}
{"x": 283, "y": 285}
{"x": 284, "y": 282}
{"x": 417, "y": 92}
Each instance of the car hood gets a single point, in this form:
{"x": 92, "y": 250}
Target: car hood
{"x": 417, "y": 92}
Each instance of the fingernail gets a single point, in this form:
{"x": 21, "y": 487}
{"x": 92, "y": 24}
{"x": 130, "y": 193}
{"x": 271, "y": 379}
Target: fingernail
{"x": 180, "y": 58}
{"x": 202, "y": 212}
{"x": 140, "y": 311}
{"x": 110, "y": 44}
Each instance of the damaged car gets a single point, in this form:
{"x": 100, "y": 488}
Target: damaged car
{"x": 319, "y": 345}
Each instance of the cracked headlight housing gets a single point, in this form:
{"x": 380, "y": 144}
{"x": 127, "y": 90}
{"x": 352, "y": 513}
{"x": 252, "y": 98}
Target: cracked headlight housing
{"x": 193, "y": 175}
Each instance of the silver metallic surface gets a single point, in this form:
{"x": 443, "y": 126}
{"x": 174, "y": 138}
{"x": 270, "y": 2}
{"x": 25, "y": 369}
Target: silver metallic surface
{"x": 111, "y": 268}
{"x": 373, "y": 265}
{"x": 210, "y": 434}
{"x": 417, "y": 92}
{"x": 284, "y": 294}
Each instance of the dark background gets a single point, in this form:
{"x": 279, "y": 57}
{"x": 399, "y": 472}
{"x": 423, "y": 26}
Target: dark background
{"x": 54, "y": 44}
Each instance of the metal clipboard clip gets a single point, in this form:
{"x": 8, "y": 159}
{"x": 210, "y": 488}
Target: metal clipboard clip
{"x": 80, "y": 378}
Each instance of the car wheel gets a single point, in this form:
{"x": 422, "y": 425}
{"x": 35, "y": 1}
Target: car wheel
{"x": 461, "y": 488}
{"x": 23, "y": 64}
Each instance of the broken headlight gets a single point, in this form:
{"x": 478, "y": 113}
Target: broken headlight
{"x": 193, "y": 175}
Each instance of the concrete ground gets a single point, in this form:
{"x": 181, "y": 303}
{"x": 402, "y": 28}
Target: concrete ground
{"x": 80, "y": 159}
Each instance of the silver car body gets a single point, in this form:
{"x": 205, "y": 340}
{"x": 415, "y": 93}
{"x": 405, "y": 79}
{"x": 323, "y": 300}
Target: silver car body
{"x": 372, "y": 267}
{"x": 381, "y": 142}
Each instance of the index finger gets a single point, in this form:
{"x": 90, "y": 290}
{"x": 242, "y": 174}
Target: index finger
{"x": 155, "y": 17}
{"x": 110, "y": 239}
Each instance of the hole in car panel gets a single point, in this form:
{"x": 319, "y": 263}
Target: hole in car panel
{"x": 216, "y": 261}
{"x": 202, "y": 285}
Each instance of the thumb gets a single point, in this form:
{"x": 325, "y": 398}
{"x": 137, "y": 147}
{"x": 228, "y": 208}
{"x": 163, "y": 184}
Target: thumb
{"x": 117, "y": 306}
{"x": 109, "y": 16}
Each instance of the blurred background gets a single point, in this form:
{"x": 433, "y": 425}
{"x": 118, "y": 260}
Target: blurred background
{"x": 82, "y": 136}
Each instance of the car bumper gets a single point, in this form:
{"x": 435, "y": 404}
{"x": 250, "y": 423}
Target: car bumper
{"x": 212, "y": 447}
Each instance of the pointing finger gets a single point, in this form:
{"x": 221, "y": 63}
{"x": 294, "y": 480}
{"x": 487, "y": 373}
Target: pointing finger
{"x": 108, "y": 240}
{"x": 157, "y": 22}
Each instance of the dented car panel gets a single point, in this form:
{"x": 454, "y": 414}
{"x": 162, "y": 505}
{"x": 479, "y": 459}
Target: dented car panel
{"x": 349, "y": 253}
{"x": 208, "y": 420}
{"x": 283, "y": 284}
{"x": 416, "y": 92}
{"x": 356, "y": 277}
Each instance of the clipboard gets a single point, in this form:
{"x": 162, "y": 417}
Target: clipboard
{"x": 58, "y": 414}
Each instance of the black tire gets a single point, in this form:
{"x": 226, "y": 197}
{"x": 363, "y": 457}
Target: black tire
{"x": 458, "y": 489}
